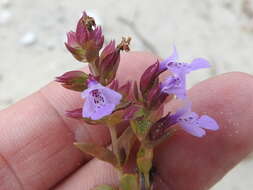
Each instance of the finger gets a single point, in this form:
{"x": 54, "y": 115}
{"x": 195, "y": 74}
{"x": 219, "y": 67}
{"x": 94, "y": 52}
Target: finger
{"x": 36, "y": 144}
{"x": 187, "y": 162}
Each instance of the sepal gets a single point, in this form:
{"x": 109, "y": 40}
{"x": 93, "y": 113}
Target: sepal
{"x": 99, "y": 152}
{"x": 140, "y": 127}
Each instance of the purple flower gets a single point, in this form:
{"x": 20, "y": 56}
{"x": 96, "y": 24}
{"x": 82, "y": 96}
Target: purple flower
{"x": 192, "y": 123}
{"x": 176, "y": 83}
{"x": 175, "y": 66}
{"x": 100, "y": 100}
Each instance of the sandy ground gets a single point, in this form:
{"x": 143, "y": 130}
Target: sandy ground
{"x": 32, "y": 33}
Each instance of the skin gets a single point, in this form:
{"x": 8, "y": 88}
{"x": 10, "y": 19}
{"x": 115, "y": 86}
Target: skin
{"x": 37, "y": 152}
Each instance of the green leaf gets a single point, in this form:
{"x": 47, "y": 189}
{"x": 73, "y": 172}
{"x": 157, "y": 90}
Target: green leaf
{"x": 129, "y": 182}
{"x": 125, "y": 144}
{"x": 140, "y": 127}
{"x": 103, "y": 187}
{"x": 99, "y": 152}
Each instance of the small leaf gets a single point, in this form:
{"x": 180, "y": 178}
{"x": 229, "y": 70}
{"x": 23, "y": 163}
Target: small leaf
{"x": 99, "y": 152}
{"x": 129, "y": 182}
{"x": 140, "y": 127}
{"x": 125, "y": 144}
{"x": 104, "y": 187}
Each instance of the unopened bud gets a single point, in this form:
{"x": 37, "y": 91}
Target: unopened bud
{"x": 150, "y": 77}
{"x": 73, "y": 80}
{"x": 86, "y": 42}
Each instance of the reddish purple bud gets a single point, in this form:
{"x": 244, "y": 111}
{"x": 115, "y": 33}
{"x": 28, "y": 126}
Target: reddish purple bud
{"x": 77, "y": 113}
{"x": 150, "y": 77}
{"x": 109, "y": 62}
{"x": 125, "y": 89}
{"x": 158, "y": 129}
{"x": 156, "y": 97}
{"x": 73, "y": 80}
{"x": 86, "y": 42}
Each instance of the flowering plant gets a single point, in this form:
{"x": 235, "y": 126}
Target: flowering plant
{"x": 137, "y": 104}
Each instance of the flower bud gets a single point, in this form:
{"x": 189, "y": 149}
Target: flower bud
{"x": 85, "y": 43}
{"x": 150, "y": 77}
{"x": 109, "y": 62}
{"x": 73, "y": 80}
{"x": 110, "y": 59}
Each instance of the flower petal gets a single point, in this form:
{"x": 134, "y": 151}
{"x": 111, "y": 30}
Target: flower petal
{"x": 172, "y": 58}
{"x": 198, "y": 63}
{"x": 193, "y": 129}
{"x": 112, "y": 96}
{"x": 103, "y": 111}
{"x": 179, "y": 92}
{"x": 85, "y": 93}
{"x": 184, "y": 110}
{"x": 207, "y": 122}
{"x": 88, "y": 108}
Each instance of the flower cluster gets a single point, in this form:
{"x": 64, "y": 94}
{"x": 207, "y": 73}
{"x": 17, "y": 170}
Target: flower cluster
{"x": 139, "y": 104}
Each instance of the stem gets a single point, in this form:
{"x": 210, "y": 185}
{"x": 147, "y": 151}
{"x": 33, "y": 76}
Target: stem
{"x": 144, "y": 162}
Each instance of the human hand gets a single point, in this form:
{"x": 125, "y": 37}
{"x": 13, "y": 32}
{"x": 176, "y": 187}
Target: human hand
{"x": 37, "y": 152}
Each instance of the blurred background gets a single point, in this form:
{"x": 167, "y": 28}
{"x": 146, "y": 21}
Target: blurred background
{"x": 32, "y": 33}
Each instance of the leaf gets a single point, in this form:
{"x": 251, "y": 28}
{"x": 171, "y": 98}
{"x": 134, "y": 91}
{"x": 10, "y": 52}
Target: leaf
{"x": 99, "y": 152}
{"x": 140, "y": 127}
{"x": 104, "y": 187}
{"x": 129, "y": 182}
{"x": 125, "y": 144}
